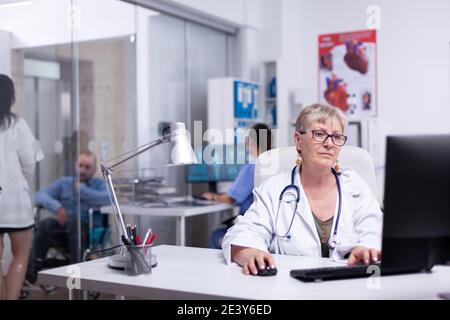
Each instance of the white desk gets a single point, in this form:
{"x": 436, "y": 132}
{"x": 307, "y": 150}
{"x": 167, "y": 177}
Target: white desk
{"x": 195, "y": 273}
{"x": 180, "y": 212}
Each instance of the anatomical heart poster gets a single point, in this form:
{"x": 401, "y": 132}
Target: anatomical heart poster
{"x": 347, "y": 72}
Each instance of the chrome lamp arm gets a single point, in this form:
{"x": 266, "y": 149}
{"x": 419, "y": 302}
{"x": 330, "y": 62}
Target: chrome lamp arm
{"x": 107, "y": 171}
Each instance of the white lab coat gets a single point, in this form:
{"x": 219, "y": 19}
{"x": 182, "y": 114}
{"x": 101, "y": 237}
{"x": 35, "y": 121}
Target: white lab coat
{"x": 360, "y": 222}
{"x": 19, "y": 152}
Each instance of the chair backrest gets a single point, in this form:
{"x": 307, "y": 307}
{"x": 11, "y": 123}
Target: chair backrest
{"x": 355, "y": 158}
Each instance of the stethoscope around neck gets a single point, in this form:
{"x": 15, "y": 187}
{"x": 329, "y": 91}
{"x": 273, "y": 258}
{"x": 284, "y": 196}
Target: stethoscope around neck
{"x": 332, "y": 241}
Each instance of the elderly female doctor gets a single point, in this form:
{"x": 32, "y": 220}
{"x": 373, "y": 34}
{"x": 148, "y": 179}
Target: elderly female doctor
{"x": 323, "y": 211}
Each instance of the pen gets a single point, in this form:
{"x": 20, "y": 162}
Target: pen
{"x": 130, "y": 235}
{"x": 125, "y": 240}
{"x": 133, "y": 234}
{"x": 152, "y": 238}
{"x": 147, "y": 235}
{"x": 138, "y": 240}
{"x": 128, "y": 231}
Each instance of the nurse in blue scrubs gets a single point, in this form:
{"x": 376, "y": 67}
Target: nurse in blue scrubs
{"x": 241, "y": 192}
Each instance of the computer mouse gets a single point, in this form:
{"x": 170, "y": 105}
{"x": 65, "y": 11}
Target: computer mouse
{"x": 267, "y": 271}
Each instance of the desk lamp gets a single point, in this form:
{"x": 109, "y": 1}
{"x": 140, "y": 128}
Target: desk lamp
{"x": 181, "y": 153}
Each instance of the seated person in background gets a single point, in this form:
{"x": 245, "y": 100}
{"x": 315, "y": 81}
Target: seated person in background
{"x": 240, "y": 192}
{"x": 60, "y": 199}
{"x": 333, "y": 215}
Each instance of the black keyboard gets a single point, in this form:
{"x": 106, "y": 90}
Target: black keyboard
{"x": 334, "y": 273}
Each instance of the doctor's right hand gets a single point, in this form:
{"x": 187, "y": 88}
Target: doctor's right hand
{"x": 364, "y": 255}
{"x": 251, "y": 259}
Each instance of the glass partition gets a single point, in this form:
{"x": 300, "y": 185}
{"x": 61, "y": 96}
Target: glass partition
{"x": 75, "y": 77}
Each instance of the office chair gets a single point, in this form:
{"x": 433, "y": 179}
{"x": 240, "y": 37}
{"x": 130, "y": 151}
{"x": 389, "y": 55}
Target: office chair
{"x": 283, "y": 160}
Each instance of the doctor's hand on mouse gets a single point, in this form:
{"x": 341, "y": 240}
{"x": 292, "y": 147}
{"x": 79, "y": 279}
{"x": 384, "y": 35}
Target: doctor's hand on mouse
{"x": 252, "y": 260}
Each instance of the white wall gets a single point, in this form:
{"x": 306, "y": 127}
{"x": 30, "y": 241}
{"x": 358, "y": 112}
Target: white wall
{"x": 240, "y": 12}
{"x": 269, "y": 37}
{"x": 413, "y": 60}
{"x": 248, "y": 16}
{"x": 289, "y": 74}
{"x": 5, "y": 52}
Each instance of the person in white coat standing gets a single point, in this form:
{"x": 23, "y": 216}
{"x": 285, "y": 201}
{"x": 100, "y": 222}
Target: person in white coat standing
{"x": 19, "y": 152}
{"x": 318, "y": 209}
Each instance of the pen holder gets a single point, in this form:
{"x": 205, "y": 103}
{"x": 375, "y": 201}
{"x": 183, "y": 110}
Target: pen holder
{"x": 138, "y": 259}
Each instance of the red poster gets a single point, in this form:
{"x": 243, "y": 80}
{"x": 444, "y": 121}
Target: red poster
{"x": 347, "y": 72}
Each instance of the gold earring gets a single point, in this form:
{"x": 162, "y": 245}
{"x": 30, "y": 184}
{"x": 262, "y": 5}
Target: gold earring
{"x": 337, "y": 167}
{"x": 299, "y": 160}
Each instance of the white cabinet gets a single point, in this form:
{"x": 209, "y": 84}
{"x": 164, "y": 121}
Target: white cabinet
{"x": 232, "y": 104}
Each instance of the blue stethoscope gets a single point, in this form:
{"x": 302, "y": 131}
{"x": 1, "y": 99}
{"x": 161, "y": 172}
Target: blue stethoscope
{"x": 332, "y": 241}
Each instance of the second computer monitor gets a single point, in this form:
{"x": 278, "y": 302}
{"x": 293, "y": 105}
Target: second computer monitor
{"x": 218, "y": 163}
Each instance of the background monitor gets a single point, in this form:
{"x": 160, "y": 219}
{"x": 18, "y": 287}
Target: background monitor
{"x": 218, "y": 163}
{"x": 416, "y": 228}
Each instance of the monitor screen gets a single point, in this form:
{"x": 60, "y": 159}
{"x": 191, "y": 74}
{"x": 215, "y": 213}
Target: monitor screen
{"x": 417, "y": 186}
{"x": 217, "y": 163}
{"x": 416, "y": 231}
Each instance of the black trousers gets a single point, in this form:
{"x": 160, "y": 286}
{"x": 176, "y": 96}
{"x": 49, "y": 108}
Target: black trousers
{"x": 50, "y": 233}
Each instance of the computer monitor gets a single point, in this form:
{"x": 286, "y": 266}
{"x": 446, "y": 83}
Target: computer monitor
{"x": 218, "y": 163}
{"x": 416, "y": 228}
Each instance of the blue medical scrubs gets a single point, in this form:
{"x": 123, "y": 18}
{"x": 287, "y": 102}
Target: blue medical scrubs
{"x": 242, "y": 193}
{"x": 242, "y": 189}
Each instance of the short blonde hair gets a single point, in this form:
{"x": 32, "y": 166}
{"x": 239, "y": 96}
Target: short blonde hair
{"x": 319, "y": 113}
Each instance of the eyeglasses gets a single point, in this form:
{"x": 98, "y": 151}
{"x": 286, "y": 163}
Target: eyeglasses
{"x": 321, "y": 136}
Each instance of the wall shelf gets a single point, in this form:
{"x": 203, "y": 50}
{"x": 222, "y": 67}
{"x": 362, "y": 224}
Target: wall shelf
{"x": 269, "y": 93}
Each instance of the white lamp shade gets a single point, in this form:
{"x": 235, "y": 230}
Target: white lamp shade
{"x": 181, "y": 152}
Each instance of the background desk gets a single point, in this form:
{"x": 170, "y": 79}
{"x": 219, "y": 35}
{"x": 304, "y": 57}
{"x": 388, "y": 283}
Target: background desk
{"x": 180, "y": 212}
{"x": 195, "y": 273}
